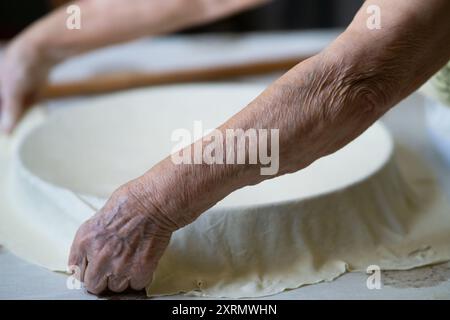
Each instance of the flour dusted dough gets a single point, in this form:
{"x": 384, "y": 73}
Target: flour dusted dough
{"x": 345, "y": 212}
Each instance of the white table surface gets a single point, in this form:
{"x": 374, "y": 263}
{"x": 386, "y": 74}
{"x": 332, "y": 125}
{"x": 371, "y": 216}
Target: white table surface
{"x": 21, "y": 280}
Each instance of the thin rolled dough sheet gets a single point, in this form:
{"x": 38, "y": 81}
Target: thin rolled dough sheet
{"x": 345, "y": 212}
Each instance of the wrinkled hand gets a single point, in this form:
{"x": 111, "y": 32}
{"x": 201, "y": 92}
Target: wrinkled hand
{"x": 23, "y": 72}
{"x": 120, "y": 246}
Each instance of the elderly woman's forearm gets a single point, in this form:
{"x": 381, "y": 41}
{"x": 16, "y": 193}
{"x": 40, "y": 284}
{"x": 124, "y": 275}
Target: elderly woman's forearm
{"x": 106, "y": 22}
{"x": 411, "y": 44}
{"x": 318, "y": 107}
{"x": 323, "y": 103}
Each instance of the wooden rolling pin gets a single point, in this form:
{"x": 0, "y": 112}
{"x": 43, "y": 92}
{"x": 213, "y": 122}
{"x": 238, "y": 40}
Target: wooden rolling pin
{"x": 127, "y": 80}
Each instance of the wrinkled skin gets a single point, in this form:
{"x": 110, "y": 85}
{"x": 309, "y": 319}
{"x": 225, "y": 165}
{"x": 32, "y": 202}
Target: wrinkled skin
{"x": 120, "y": 246}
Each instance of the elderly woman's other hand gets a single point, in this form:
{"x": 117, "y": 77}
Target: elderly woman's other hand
{"x": 23, "y": 72}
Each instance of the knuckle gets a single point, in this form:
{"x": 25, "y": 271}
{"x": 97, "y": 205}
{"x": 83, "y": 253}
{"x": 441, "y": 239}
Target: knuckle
{"x": 85, "y": 241}
{"x": 117, "y": 283}
{"x": 140, "y": 282}
{"x": 94, "y": 285}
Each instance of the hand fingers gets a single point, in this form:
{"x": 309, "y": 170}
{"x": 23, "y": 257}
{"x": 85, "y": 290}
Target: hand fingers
{"x": 13, "y": 107}
{"x": 139, "y": 283}
{"x": 95, "y": 277}
{"x": 78, "y": 269}
{"x": 78, "y": 259}
{"x": 145, "y": 265}
{"x": 142, "y": 271}
{"x": 11, "y": 112}
{"x": 76, "y": 255}
{"x": 117, "y": 283}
